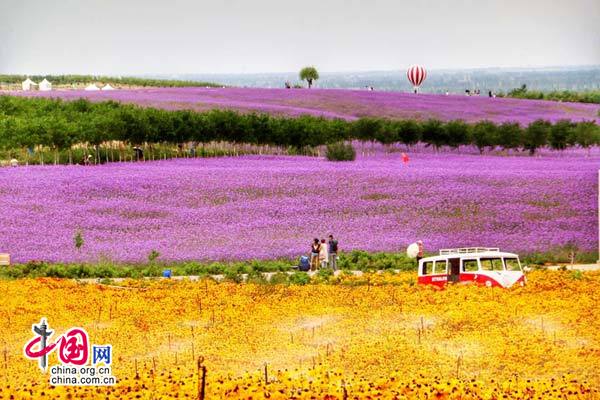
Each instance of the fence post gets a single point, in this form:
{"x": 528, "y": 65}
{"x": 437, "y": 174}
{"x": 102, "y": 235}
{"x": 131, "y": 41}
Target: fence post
{"x": 266, "y": 375}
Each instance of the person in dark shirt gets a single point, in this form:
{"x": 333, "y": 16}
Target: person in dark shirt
{"x": 315, "y": 249}
{"x": 333, "y": 250}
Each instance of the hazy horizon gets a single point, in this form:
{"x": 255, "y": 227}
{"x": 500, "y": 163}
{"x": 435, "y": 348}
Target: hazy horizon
{"x": 135, "y": 37}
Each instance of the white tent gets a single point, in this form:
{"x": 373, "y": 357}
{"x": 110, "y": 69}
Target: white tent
{"x": 45, "y": 85}
{"x": 108, "y": 87}
{"x": 28, "y": 84}
{"x": 92, "y": 87}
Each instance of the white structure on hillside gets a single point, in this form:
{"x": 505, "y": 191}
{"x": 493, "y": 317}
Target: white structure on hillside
{"x": 108, "y": 87}
{"x": 28, "y": 84}
{"x": 92, "y": 87}
{"x": 45, "y": 85}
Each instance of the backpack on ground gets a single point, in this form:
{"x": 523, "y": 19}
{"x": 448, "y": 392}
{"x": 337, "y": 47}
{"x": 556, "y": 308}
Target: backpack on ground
{"x": 304, "y": 264}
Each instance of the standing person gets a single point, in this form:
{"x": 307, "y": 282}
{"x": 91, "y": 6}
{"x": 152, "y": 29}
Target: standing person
{"x": 333, "y": 250}
{"x": 315, "y": 249}
{"x": 323, "y": 254}
{"x": 405, "y": 158}
{"x": 139, "y": 153}
{"x": 420, "y": 253}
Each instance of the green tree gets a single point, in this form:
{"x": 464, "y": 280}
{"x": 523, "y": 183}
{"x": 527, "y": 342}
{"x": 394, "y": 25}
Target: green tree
{"x": 434, "y": 133}
{"x": 366, "y": 129}
{"x": 309, "y": 74}
{"x": 484, "y": 133}
{"x": 409, "y": 132}
{"x": 536, "y": 135}
{"x": 458, "y": 133}
{"x": 509, "y": 135}
{"x": 586, "y": 134}
{"x": 560, "y": 133}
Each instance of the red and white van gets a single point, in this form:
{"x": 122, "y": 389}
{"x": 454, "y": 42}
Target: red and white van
{"x": 481, "y": 265}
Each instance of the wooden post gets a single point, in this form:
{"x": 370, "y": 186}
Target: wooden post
{"x": 201, "y": 379}
{"x": 266, "y": 375}
{"x": 137, "y": 375}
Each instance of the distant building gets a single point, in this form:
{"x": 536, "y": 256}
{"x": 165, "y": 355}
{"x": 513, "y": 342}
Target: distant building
{"x": 45, "y": 85}
{"x": 28, "y": 84}
{"x": 107, "y": 87}
{"x": 92, "y": 87}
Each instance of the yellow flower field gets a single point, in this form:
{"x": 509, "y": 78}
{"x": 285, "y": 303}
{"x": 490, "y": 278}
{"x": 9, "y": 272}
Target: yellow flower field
{"x": 378, "y": 336}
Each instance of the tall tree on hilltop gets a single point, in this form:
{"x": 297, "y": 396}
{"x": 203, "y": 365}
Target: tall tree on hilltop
{"x": 309, "y": 74}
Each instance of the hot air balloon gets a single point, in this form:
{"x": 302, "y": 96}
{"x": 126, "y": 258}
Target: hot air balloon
{"x": 416, "y": 75}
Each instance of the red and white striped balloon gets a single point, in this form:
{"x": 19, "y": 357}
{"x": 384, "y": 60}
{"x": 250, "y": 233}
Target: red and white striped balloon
{"x": 416, "y": 75}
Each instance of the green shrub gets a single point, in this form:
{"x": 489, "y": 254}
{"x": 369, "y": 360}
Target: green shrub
{"x": 340, "y": 152}
{"x": 78, "y": 239}
{"x": 279, "y": 278}
{"x": 577, "y": 275}
{"x": 233, "y": 276}
{"x": 153, "y": 256}
{"x": 106, "y": 281}
{"x": 323, "y": 276}
{"x": 257, "y": 278}
{"x": 299, "y": 278}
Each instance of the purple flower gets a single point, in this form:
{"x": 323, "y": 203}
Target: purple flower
{"x": 345, "y": 104}
{"x": 267, "y": 207}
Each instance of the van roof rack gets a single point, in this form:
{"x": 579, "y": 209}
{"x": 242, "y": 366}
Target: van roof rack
{"x": 467, "y": 250}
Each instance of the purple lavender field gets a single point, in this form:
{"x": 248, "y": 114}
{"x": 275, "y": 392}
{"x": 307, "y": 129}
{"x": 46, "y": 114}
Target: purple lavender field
{"x": 268, "y": 207}
{"x": 345, "y": 104}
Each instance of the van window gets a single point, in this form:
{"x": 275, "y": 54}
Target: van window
{"x": 440, "y": 267}
{"x": 427, "y": 268}
{"x": 470, "y": 266}
{"x": 491, "y": 264}
{"x": 512, "y": 264}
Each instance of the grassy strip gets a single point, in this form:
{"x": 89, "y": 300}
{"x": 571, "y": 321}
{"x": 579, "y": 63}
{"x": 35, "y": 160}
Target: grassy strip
{"x": 589, "y": 96}
{"x": 354, "y": 260}
{"x": 125, "y": 80}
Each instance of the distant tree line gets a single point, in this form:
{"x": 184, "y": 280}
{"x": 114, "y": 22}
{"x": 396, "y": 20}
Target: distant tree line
{"x": 59, "y": 125}
{"x": 86, "y": 79}
{"x": 592, "y": 96}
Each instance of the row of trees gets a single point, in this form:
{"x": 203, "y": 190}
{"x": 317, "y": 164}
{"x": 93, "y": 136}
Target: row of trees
{"x": 592, "y": 96}
{"x": 28, "y": 122}
{"x": 86, "y": 79}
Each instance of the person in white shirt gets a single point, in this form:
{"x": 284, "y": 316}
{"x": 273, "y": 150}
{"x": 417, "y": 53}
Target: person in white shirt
{"x": 324, "y": 254}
